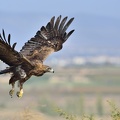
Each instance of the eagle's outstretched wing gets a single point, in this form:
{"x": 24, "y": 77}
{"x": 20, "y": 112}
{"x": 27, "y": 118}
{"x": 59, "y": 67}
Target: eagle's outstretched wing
{"x": 48, "y": 39}
{"x": 8, "y": 54}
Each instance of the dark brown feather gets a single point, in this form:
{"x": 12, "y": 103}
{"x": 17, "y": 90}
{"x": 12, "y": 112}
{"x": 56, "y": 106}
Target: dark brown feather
{"x": 57, "y": 22}
{"x": 48, "y": 39}
{"x": 62, "y": 24}
{"x": 8, "y": 54}
{"x": 9, "y": 39}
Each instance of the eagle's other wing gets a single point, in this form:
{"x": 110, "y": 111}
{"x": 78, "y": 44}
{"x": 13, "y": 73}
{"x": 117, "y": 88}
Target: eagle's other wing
{"x": 48, "y": 39}
{"x": 7, "y": 52}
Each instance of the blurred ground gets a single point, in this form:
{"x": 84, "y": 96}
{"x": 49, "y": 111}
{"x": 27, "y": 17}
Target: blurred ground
{"x": 78, "y": 90}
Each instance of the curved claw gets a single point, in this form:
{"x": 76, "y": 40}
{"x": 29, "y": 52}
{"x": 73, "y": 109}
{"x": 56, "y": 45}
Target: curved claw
{"x": 11, "y": 92}
{"x": 19, "y": 93}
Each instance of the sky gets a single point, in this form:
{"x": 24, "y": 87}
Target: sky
{"x": 96, "y": 24}
{"x": 99, "y": 7}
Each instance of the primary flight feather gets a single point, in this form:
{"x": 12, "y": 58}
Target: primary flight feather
{"x": 29, "y": 61}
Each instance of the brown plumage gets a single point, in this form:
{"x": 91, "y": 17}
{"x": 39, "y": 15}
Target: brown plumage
{"x": 29, "y": 61}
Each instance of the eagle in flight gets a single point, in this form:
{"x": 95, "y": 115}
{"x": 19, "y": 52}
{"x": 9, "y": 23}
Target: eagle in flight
{"x": 29, "y": 61}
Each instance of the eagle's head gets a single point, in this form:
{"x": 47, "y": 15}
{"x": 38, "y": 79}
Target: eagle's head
{"x": 48, "y": 69}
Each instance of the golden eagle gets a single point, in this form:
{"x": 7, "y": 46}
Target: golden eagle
{"x": 29, "y": 61}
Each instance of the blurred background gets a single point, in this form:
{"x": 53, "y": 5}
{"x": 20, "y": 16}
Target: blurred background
{"x": 86, "y": 69}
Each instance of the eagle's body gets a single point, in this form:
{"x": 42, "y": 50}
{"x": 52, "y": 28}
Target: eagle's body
{"x": 29, "y": 61}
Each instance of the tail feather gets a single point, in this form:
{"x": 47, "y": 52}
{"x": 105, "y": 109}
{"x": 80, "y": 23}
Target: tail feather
{"x": 7, "y": 70}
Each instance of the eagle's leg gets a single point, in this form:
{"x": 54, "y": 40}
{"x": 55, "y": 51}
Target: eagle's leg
{"x": 20, "y": 93}
{"x": 11, "y": 92}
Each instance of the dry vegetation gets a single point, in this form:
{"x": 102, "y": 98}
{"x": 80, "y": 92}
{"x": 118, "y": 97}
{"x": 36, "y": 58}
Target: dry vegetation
{"x": 114, "y": 114}
{"x": 27, "y": 114}
{"x": 81, "y": 92}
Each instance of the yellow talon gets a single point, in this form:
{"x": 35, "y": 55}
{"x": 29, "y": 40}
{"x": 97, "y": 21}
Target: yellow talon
{"x": 11, "y": 92}
{"x": 19, "y": 93}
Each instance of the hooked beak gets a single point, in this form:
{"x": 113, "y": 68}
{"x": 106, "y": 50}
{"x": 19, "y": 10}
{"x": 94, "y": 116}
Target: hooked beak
{"x": 51, "y": 70}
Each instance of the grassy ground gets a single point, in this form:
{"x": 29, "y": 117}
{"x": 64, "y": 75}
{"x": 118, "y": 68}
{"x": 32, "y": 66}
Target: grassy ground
{"x": 81, "y": 91}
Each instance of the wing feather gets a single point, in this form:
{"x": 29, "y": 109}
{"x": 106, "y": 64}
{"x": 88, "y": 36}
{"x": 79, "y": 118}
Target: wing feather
{"x": 62, "y": 24}
{"x": 8, "y": 54}
{"x": 52, "y": 21}
{"x": 66, "y": 26}
{"x": 57, "y": 22}
{"x": 48, "y": 39}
